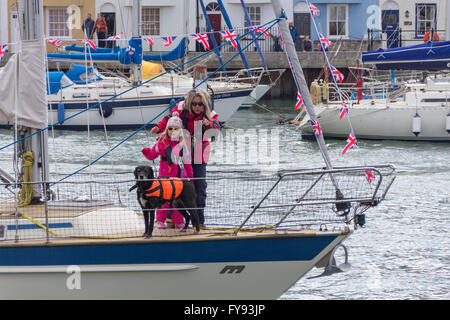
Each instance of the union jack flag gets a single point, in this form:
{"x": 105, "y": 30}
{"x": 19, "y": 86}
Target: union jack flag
{"x": 351, "y": 143}
{"x": 326, "y": 42}
{"x": 299, "y": 104}
{"x": 369, "y": 176}
{"x": 149, "y": 40}
{"x": 260, "y": 29}
{"x": 337, "y": 75}
{"x": 230, "y": 36}
{"x": 316, "y": 127}
{"x": 3, "y": 50}
{"x": 314, "y": 10}
{"x": 55, "y": 42}
{"x": 344, "y": 111}
{"x": 203, "y": 39}
{"x": 115, "y": 37}
{"x": 168, "y": 40}
{"x": 91, "y": 44}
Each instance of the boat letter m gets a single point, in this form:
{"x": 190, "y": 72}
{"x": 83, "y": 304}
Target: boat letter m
{"x": 232, "y": 269}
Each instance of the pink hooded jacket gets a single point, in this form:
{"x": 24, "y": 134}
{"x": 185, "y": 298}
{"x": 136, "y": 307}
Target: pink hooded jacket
{"x": 166, "y": 167}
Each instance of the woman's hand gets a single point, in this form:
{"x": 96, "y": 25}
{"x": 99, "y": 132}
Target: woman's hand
{"x": 154, "y": 130}
{"x": 206, "y": 122}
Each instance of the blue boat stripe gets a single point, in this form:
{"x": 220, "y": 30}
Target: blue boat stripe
{"x": 145, "y": 102}
{"x": 209, "y": 251}
{"x": 34, "y": 226}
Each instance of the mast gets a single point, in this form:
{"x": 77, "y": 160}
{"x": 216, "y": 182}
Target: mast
{"x": 32, "y": 16}
{"x": 136, "y": 25}
{"x": 302, "y": 86}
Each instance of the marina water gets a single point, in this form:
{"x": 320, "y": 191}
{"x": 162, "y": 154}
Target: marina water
{"x": 403, "y": 250}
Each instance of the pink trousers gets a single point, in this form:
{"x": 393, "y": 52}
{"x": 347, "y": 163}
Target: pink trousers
{"x": 161, "y": 215}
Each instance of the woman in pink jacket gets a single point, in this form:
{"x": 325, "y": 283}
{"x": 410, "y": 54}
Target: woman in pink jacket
{"x": 169, "y": 147}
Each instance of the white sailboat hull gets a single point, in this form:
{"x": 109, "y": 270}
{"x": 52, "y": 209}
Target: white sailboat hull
{"x": 214, "y": 280}
{"x": 380, "y": 122}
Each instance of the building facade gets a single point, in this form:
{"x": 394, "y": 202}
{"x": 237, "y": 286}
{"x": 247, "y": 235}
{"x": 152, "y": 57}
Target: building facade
{"x": 62, "y": 19}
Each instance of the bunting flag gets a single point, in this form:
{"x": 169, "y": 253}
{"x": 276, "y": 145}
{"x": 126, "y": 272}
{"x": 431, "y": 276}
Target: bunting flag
{"x": 316, "y": 127}
{"x": 337, "y": 75}
{"x": 168, "y": 40}
{"x": 369, "y": 176}
{"x": 55, "y": 42}
{"x": 203, "y": 39}
{"x": 230, "y": 36}
{"x": 91, "y": 44}
{"x": 115, "y": 37}
{"x": 299, "y": 104}
{"x": 324, "y": 41}
{"x": 3, "y": 50}
{"x": 260, "y": 29}
{"x": 344, "y": 111}
{"x": 149, "y": 40}
{"x": 314, "y": 11}
{"x": 350, "y": 143}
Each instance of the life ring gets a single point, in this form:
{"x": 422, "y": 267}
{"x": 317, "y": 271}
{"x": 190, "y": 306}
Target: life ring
{"x": 107, "y": 110}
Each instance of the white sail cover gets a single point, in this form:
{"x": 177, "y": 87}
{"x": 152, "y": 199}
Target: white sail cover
{"x": 23, "y": 87}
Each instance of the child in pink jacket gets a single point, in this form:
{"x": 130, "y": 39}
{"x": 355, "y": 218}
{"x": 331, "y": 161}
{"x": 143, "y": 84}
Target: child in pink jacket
{"x": 168, "y": 147}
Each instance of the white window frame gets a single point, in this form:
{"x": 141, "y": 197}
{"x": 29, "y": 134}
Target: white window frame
{"x": 65, "y": 22}
{"x": 143, "y": 22}
{"x": 252, "y": 14}
{"x": 433, "y": 22}
{"x": 329, "y": 7}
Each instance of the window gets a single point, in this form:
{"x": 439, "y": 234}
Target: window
{"x": 337, "y": 20}
{"x": 57, "y": 22}
{"x": 150, "y": 21}
{"x": 255, "y": 16}
{"x": 426, "y": 18}
{"x": 213, "y": 6}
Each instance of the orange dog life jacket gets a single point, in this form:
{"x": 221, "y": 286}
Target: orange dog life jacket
{"x": 168, "y": 189}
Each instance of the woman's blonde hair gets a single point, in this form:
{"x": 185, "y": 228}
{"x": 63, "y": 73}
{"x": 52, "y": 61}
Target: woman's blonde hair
{"x": 205, "y": 100}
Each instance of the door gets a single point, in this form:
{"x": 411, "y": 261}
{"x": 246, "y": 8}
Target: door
{"x": 302, "y": 22}
{"x": 390, "y": 19}
{"x": 110, "y": 18}
{"x": 216, "y": 24}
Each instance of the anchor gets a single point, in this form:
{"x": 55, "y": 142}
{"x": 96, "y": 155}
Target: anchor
{"x": 331, "y": 267}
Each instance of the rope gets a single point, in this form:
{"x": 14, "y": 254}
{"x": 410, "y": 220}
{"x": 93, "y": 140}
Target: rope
{"x": 26, "y": 193}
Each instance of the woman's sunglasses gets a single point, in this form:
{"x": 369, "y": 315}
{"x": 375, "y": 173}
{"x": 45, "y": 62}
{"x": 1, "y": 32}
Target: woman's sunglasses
{"x": 172, "y": 129}
{"x": 195, "y": 104}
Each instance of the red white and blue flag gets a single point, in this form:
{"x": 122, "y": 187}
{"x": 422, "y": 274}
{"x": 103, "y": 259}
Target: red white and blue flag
{"x": 91, "y": 44}
{"x": 344, "y": 111}
{"x": 149, "y": 40}
{"x": 369, "y": 176}
{"x": 203, "y": 39}
{"x": 337, "y": 75}
{"x": 3, "y": 50}
{"x": 316, "y": 127}
{"x": 55, "y": 42}
{"x": 115, "y": 37}
{"x": 351, "y": 143}
{"x": 324, "y": 41}
{"x": 230, "y": 36}
{"x": 299, "y": 104}
{"x": 260, "y": 29}
{"x": 314, "y": 10}
{"x": 168, "y": 40}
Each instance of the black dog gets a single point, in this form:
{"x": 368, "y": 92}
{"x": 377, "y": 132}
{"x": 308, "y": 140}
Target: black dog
{"x": 148, "y": 198}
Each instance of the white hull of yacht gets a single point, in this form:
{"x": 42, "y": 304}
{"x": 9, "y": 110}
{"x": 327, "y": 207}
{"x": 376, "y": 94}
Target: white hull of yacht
{"x": 226, "y": 279}
{"x": 381, "y": 122}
